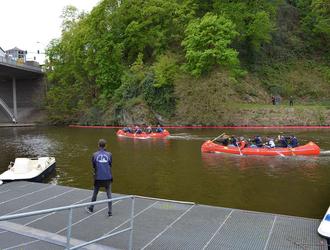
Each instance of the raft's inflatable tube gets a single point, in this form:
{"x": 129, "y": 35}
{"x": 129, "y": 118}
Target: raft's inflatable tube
{"x": 324, "y": 227}
{"x": 143, "y": 135}
{"x": 309, "y": 149}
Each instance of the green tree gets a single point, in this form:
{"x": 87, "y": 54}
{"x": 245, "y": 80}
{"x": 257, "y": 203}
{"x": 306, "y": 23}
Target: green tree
{"x": 254, "y": 20}
{"x": 259, "y": 30}
{"x": 148, "y": 27}
{"x": 70, "y": 15}
{"x": 316, "y": 22}
{"x": 321, "y": 12}
{"x": 165, "y": 70}
{"x": 207, "y": 43}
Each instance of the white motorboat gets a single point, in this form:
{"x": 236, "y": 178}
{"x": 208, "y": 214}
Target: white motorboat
{"x": 324, "y": 227}
{"x": 29, "y": 169}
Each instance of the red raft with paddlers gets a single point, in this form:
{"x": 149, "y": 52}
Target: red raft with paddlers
{"x": 143, "y": 135}
{"x": 242, "y": 147}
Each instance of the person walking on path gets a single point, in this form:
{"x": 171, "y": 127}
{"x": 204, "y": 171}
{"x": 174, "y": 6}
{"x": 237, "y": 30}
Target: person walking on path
{"x": 273, "y": 100}
{"x": 291, "y": 100}
{"x": 102, "y": 163}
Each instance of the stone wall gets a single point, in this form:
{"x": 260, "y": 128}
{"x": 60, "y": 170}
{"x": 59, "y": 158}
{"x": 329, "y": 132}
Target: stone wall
{"x": 29, "y": 94}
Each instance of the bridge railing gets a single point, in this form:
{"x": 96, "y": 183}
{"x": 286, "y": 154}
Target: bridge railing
{"x": 18, "y": 64}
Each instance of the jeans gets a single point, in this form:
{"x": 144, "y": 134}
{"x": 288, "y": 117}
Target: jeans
{"x": 108, "y": 191}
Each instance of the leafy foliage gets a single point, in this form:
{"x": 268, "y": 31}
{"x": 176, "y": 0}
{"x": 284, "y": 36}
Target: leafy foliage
{"x": 207, "y": 44}
{"x": 160, "y": 98}
{"x": 147, "y": 27}
{"x": 165, "y": 70}
{"x": 254, "y": 22}
{"x": 316, "y": 22}
{"x": 128, "y": 55}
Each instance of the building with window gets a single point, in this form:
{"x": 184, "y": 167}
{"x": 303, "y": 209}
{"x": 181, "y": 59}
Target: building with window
{"x": 17, "y": 54}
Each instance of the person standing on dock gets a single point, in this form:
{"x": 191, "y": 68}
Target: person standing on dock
{"x": 102, "y": 163}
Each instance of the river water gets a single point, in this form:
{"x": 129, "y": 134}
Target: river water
{"x": 175, "y": 168}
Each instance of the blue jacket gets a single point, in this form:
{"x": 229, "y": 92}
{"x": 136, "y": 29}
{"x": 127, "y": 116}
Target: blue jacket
{"x": 257, "y": 140}
{"x": 102, "y": 161}
{"x": 159, "y": 130}
{"x": 293, "y": 142}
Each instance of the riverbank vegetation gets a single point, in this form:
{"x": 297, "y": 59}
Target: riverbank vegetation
{"x": 191, "y": 62}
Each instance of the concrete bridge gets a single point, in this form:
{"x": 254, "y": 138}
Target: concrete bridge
{"x": 21, "y": 91}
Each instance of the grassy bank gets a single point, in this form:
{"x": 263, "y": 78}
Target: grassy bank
{"x": 278, "y": 115}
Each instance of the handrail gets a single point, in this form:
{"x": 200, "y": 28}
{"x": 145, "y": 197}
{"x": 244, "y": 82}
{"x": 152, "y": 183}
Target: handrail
{"x": 7, "y": 109}
{"x": 166, "y": 200}
{"x": 23, "y": 65}
{"x": 70, "y": 209}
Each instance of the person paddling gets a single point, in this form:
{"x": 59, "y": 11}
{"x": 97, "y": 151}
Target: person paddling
{"x": 138, "y": 130}
{"x": 293, "y": 142}
{"x": 242, "y": 143}
{"x": 271, "y": 143}
{"x": 283, "y": 141}
{"x": 258, "y": 141}
{"x": 149, "y": 130}
{"x": 159, "y": 129}
{"x": 126, "y": 129}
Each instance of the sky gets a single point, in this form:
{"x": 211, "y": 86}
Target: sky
{"x": 31, "y": 24}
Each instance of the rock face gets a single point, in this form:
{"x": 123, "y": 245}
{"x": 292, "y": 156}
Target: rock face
{"x": 264, "y": 116}
{"x": 137, "y": 114}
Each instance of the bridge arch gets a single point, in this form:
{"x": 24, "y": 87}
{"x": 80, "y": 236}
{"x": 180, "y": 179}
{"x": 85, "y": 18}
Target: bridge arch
{"x": 19, "y": 105}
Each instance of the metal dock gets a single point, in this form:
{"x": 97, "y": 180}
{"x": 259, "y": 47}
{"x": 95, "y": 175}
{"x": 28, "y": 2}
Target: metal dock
{"x": 158, "y": 224}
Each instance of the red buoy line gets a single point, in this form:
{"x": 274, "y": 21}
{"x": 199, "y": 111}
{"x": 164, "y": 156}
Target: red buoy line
{"x": 213, "y": 127}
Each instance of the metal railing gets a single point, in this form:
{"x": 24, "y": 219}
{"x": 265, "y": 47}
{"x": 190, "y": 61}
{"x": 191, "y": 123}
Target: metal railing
{"x": 16, "y": 64}
{"x": 69, "y": 227}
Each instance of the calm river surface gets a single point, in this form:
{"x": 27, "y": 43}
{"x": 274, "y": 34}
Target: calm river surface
{"x": 175, "y": 168}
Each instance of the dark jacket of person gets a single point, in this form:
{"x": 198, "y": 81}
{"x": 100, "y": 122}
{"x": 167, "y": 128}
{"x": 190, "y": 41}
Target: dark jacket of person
{"x": 283, "y": 142}
{"x": 126, "y": 130}
{"x": 223, "y": 141}
{"x": 159, "y": 130}
{"x": 148, "y": 130}
{"x": 233, "y": 140}
{"x": 138, "y": 131}
{"x": 102, "y": 161}
{"x": 293, "y": 142}
{"x": 257, "y": 140}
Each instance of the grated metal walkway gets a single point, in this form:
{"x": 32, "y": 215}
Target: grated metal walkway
{"x": 158, "y": 224}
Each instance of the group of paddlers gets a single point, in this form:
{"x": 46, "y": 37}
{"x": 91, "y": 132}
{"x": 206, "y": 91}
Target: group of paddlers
{"x": 138, "y": 130}
{"x": 281, "y": 141}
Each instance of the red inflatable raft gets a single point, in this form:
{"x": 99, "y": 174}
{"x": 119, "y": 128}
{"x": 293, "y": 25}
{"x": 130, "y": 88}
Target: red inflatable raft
{"x": 309, "y": 149}
{"x": 143, "y": 135}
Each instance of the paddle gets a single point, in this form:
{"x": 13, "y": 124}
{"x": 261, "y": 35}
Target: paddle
{"x": 240, "y": 152}
{"x": 218, "y": 137}
{"x": 291, "y": 149}
{"x": 280, "y": 153}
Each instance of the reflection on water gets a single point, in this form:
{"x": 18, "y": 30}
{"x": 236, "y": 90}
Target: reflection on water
{"x": 217, "y": 160}
{"x": 175, "y": 168}
{"x": 273, "y": 165}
